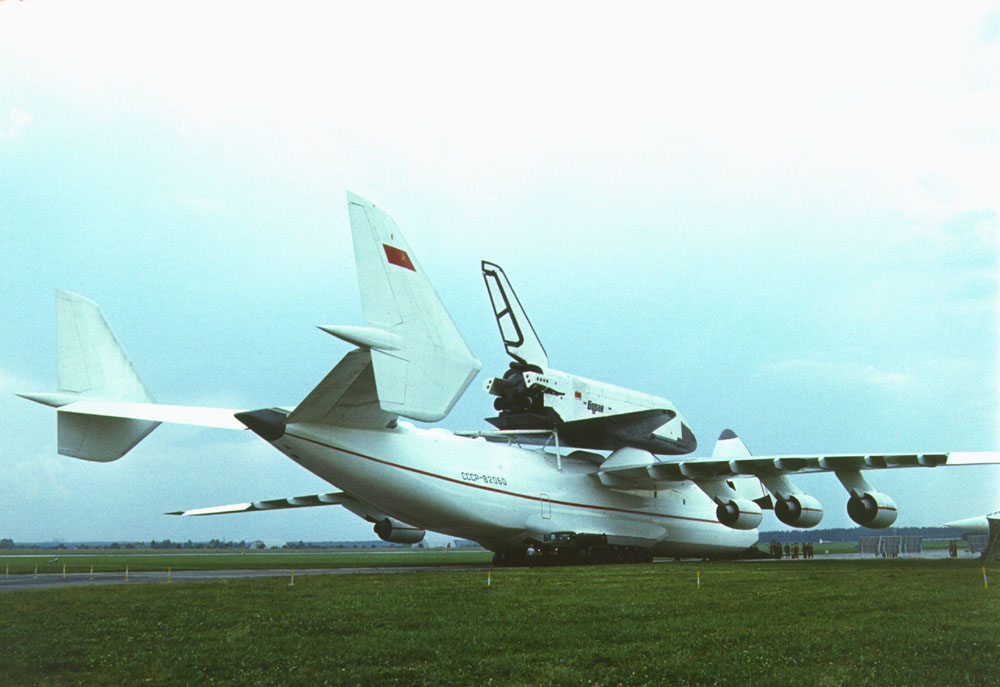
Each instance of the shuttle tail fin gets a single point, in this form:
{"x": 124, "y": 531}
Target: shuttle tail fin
{"x": 519, "y": 337}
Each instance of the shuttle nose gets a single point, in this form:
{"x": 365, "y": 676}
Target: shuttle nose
{"x": 687, "y": 443}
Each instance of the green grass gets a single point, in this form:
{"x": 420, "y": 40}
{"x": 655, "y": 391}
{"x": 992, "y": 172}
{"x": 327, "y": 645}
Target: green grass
{"x": 103, "y": 561}
{"x": 899, "y": 622}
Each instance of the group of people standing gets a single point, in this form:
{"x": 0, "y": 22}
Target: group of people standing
{"x": 792, "y": 550}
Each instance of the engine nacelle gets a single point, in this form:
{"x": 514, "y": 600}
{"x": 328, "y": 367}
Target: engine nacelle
{"x": 874, "y": 509}
{"x": 739, "y": 514}
{"x": 799, "y": 510}
{"x": 397, "y": 532}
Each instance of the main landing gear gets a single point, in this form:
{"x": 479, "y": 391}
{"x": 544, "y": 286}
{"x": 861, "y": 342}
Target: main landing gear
{"x": 570, "y": 548}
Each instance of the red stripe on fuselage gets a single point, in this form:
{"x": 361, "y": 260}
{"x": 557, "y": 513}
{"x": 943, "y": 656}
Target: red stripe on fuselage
{"x": 498, "y": 491}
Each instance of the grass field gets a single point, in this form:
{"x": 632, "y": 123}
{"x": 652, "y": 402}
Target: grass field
{"x": 147, "y": 561}
{"x": 883, "y": 622}
{"x": 23, "y": 561}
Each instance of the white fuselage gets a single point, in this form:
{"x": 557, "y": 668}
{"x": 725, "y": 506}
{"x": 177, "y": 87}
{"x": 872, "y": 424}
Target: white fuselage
{"x": 499, "y": 495}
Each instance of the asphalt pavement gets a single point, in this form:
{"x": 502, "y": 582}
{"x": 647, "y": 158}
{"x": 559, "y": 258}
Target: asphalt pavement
{"x": 12, "y": 583}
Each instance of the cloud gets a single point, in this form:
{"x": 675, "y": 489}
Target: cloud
{"x": 13, "y": 126}
{"x": 840, "y": 373}
{"x": 39, "y": 477}
{"x": 203, "y": 205}
{"x": 12, "y": 383}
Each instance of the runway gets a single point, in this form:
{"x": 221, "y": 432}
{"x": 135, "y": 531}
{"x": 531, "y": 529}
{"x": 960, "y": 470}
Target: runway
{"x": 51, "y": 580}
{"x": 56, "y": 580}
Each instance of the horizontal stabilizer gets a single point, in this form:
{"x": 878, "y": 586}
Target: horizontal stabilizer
{"x": 104, "y": 409}
{"x": 93, "y": 365}
{"x": 97, "y": 438}
{"x": 220, "y": 418}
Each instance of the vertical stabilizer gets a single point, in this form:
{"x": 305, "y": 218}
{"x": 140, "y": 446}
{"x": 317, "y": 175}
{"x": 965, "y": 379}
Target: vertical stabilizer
{"x": 730, "y": 446}
{"x": 428, "y": 366}
{"x": 91, "y": 361}
{"x": 92, "y": 365}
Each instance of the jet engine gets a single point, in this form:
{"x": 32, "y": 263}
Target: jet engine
{"x": 739, "y": 514}
{"x": 874, "y": 509}
{"x": 397, "y": 532}
{"x": 799, "y": 510}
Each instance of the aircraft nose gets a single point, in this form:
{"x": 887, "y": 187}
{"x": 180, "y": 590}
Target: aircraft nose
{"x": 266, "y": 423}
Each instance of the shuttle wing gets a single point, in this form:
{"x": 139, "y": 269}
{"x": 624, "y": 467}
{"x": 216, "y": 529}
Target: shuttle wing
{"x": 600, "y": 433}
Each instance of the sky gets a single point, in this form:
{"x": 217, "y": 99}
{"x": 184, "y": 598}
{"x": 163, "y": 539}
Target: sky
{"x": 781, "y": 217}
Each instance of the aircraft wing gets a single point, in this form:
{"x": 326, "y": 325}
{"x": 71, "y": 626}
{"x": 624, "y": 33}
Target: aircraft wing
{"x": 644, "y": 470}
{"x": 980, "y": 524}
{"x": 386, "y": 527}
{"x": 354, "y": 505}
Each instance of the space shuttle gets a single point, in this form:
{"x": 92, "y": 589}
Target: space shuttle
{"x": 533, "y": 398}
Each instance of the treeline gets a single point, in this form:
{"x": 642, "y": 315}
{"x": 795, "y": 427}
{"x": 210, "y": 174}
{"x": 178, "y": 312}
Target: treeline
{"x": 131, "y": 545}
{"x": 211, "y": 544}
{"x": 215, "y": 544}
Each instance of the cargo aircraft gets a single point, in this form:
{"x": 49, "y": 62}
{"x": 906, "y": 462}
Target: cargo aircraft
{"x": 622, "y": 483}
